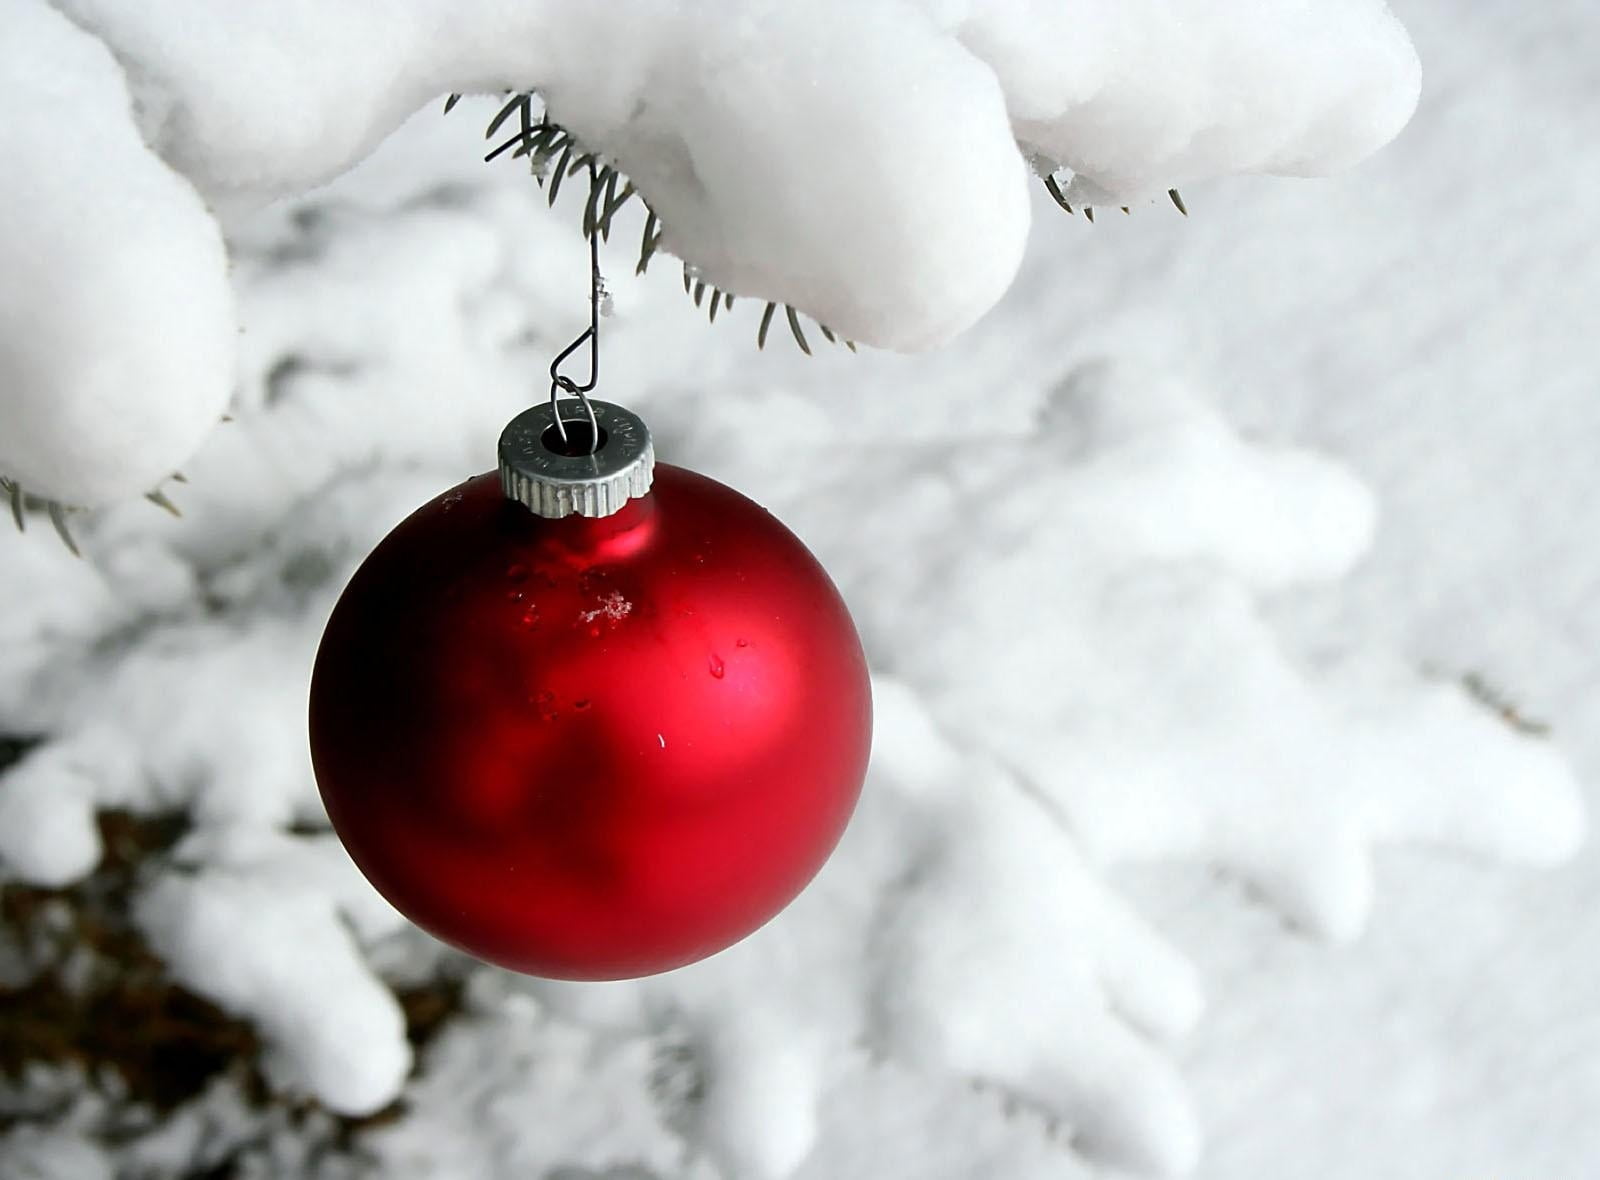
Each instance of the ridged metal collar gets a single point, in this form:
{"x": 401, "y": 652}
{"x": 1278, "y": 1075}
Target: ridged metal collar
{"x": 535, "y": 473}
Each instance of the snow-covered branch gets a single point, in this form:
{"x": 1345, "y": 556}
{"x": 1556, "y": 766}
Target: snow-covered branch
{"x": 867, "y": 163}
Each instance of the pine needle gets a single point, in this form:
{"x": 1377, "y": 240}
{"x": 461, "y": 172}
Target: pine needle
{"x": 794, "y": 326}
{"x": 648, "y": 243}
{"x": 535, "y": 141}
{"x": 58, "y": 517}
{"x": 560, "y": 173}
{"x": 521, "y": 103}
{"x": 159, "y": 499}
{"x": 609, "y": 191}
{"x": 766, "y": 322}
{"x": 16, "y": 506}
{"x": 591, "y": 208}
{"x": 515, "y": 141}
{"x": 544, "y": 148}
{"x": 613, "y": 203}
{"x": 1056, "y": 194}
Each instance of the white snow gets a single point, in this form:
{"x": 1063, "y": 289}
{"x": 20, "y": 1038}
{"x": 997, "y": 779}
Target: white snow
{"x": 527, "y": 1080}
{"x": 1125, "y": 605}
{"x": 859, "y": 161}
{"x": 38, "y": 1153}
{"x": 1099, "y": 634}
{"x": 1136, "y": 97}
{"x": 116, "y": 318}
{"x": 1093, "y": 568}
{"x": 1005, "y": 906}
{"x": 265, "y": 918}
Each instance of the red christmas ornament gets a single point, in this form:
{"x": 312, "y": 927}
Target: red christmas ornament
{"x": 585, "y": 726}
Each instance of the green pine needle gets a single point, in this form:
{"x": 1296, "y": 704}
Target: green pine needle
{"x": 540, "y": 141}
{"x": 1053, "y": 187}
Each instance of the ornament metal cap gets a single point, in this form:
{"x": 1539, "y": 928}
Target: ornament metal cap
{"x": 552, "y": 478}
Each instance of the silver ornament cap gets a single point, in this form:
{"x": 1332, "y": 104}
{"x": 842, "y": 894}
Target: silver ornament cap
{"x": 555, "y": 478}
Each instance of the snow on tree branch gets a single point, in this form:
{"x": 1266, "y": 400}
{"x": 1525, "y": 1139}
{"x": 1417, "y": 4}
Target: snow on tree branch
{"x": 859, "y": 161}
{"x": 116, "y": 318}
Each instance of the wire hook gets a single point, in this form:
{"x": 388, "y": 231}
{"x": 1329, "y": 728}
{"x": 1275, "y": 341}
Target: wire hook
{"x": 559, "y": 382}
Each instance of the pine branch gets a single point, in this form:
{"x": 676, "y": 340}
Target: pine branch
{"x": 23, "y": 502}
{"x": 1059, "y": 196}
{"x": 540, "y": 140}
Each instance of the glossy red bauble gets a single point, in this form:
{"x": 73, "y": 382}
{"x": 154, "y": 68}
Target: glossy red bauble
{"x": 590, "y": 748}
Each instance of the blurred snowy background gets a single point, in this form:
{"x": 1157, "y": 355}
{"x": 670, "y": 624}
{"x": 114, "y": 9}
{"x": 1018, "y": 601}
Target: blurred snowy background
{"x": 1232, "y": 594}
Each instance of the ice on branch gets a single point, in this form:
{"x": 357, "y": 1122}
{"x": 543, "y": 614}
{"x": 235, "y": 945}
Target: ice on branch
{"x": 867, "y": 163}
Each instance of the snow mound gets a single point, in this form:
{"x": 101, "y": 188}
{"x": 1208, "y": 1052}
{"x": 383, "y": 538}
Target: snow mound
{"x": 1136, "y": 98}
{"x": 1004, "y": 906}
{"x": 116, "y": 318}
{"x": 519, "y": 1084}
{"x": 266, "y": 918}
{"x": 1100, "y": 635}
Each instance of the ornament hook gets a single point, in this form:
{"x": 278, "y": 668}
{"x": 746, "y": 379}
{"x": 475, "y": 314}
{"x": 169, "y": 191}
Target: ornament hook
{"x": 559, "y": 382}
